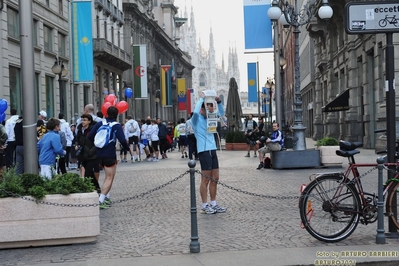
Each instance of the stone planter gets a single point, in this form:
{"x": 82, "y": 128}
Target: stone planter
{"x": 240, "y": 146}
{"x": 24, "y": 223}
{"x": 328, "y": 157}
{"x": 229, "y": 146}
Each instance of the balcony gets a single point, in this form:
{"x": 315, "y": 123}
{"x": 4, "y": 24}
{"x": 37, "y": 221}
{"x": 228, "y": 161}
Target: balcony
{"x": 111, "y": 54}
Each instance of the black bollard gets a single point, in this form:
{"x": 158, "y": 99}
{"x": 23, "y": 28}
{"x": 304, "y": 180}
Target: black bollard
{"x": 380, "y": 238}
{"x": 194, "y": 245}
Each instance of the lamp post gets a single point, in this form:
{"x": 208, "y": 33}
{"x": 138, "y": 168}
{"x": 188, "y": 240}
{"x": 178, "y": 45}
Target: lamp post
{"x": 298, "y": 17}
{"x": 60, "y": 70}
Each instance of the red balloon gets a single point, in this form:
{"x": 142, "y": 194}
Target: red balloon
{"x": 105, "y": 107}
{"x": 111, "y": 98}
{"x": 122, "y": 107}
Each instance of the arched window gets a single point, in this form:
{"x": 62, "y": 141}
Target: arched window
{"x": 202, "y": 80}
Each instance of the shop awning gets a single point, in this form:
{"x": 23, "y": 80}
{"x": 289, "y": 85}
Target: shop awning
{"x": 341, "y": 103}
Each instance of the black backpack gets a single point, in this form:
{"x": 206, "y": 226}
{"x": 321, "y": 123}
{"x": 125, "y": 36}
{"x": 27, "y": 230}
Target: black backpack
{"x": 267, "y": 163}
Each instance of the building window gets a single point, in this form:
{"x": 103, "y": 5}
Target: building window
{"x": 86, "y": 94}
{"x": 119, "y": 39}
{"x": 76, "y": 92}
{"x": 60, "y": 7}
{"x": 155, "y": 3}
{"x": 15, "y": 88}
{"x": 38, "y": 92}
{"x": 112, "y": 35}
{"x": 50, "y": 96}
{"x": 202, "y": 80}
{"x": 48, "y": 39}
{"x": 98, "y": 26}
{"x": 61, "y": 44}
{"x": 35, "y": 35}
{"x": 13, "y": 23}
{"x": 48, "y": 3}
{"x": 105, "y": 29}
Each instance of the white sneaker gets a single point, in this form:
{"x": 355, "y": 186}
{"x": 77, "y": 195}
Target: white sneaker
{"x": 149, "y": 160}
{"x": 208, "y": 210}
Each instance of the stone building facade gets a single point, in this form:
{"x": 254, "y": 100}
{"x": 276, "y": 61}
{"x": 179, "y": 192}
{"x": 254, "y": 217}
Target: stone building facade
{"x": 331, "y": 61}
{"x": 207, "y": 74}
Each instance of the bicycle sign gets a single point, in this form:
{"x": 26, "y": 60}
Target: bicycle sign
{"x": 372, "y": 17}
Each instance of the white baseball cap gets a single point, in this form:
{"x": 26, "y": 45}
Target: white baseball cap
{"x": 43, "y": 113}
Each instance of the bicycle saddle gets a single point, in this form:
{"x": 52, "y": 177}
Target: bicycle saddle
{"x": 349, "y": 146}
{"x": 346, "y": 153}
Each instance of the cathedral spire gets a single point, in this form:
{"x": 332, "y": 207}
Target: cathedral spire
{"x": 192, "y": 21}
{"x": 211, "y": 42}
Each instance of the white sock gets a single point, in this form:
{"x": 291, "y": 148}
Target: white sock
{"x": 213, "y": 203}
{"x": 204, "y": 205}
{"x": 101, "y": 198}
{"x": 108, "y": 196}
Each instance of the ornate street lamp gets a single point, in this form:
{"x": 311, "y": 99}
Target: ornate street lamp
{"x": 60, "y": 70}
{"x": 298, "y": 17}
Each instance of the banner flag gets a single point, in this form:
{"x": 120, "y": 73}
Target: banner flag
{"x": 257, "y": 26}
{"x": 181, "y": 94}
{"x": 140, "y": 71}
{"x": 265, "y": 101}
{"x": 165, "y": 83}
{"x": 190, "y": 97}
{"x": 252, "y": 83}
{"x": 82, "y": 42}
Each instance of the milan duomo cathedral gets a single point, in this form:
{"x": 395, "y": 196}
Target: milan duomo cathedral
{"x": 207, "y": 74}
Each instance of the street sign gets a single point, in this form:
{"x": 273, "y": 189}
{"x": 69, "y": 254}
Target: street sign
{"x": 372, "y": 17}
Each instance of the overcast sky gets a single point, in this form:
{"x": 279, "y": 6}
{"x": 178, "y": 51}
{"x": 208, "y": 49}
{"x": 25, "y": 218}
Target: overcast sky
{"x": 227, "y": 22}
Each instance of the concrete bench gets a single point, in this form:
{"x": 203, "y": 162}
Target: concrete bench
{"x": 295, "y": 159}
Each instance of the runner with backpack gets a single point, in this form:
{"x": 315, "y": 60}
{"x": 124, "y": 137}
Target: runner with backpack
{"x": 104, "y": 135}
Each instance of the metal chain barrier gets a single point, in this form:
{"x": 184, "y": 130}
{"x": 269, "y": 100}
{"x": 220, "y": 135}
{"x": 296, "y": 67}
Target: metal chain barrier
{"x": 94, "y": 204}
{"x": 277, "y": 197}
{"x": 246, "y": 192}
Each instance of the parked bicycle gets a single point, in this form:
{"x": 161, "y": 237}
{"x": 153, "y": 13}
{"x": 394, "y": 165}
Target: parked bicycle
{"x": 332, "y": 204}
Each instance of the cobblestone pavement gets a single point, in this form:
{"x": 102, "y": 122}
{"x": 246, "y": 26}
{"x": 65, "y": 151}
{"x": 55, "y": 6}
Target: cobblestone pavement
{"x": 159, "y": 223}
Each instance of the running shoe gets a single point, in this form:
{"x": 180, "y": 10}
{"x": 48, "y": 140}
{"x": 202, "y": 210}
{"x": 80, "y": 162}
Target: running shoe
{"x": 219, "y": 209}
{"x": 103, "y": 206}
{"x": 260, "y": 166}
{"x": 255, "y": 155}
{"x": 182, "y": 156}
{"x": 185, "y": 154}
{"x": 149, "y": 160}
{"x": 107, "y": 201}
{"x": 248, "y": 155}
{"x": 155, "y": 160}
{"x": 208, "y": 210}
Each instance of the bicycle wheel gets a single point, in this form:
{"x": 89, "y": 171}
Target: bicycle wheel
{"x": 382, "y": 23}
{"x": 329, "y": 209}
{"x": 391, "y": 202}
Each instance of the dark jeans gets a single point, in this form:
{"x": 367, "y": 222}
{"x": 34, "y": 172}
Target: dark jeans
{"x": 91, "y": 167}
{"x": 19, "y": 161}
{"x": 10, "y": 154}
{"x": 61, "y": 166}
{"x": 163, "y": 144}
{"x": 192, "y": 146}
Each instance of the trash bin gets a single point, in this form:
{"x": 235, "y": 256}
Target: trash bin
{"x": 289, "y": 142}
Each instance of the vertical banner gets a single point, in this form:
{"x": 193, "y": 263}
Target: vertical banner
{"x": 252, "y": 82}
{"x": 181, "y": 94}
{"x": 82, "y": 41}
{"x": 164, "y": 84}
{"x": 265, "y": 101}
{"x": 189, "y": 100}
{"x": 140, "y": 71}
{"x": 257, "y": 26}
